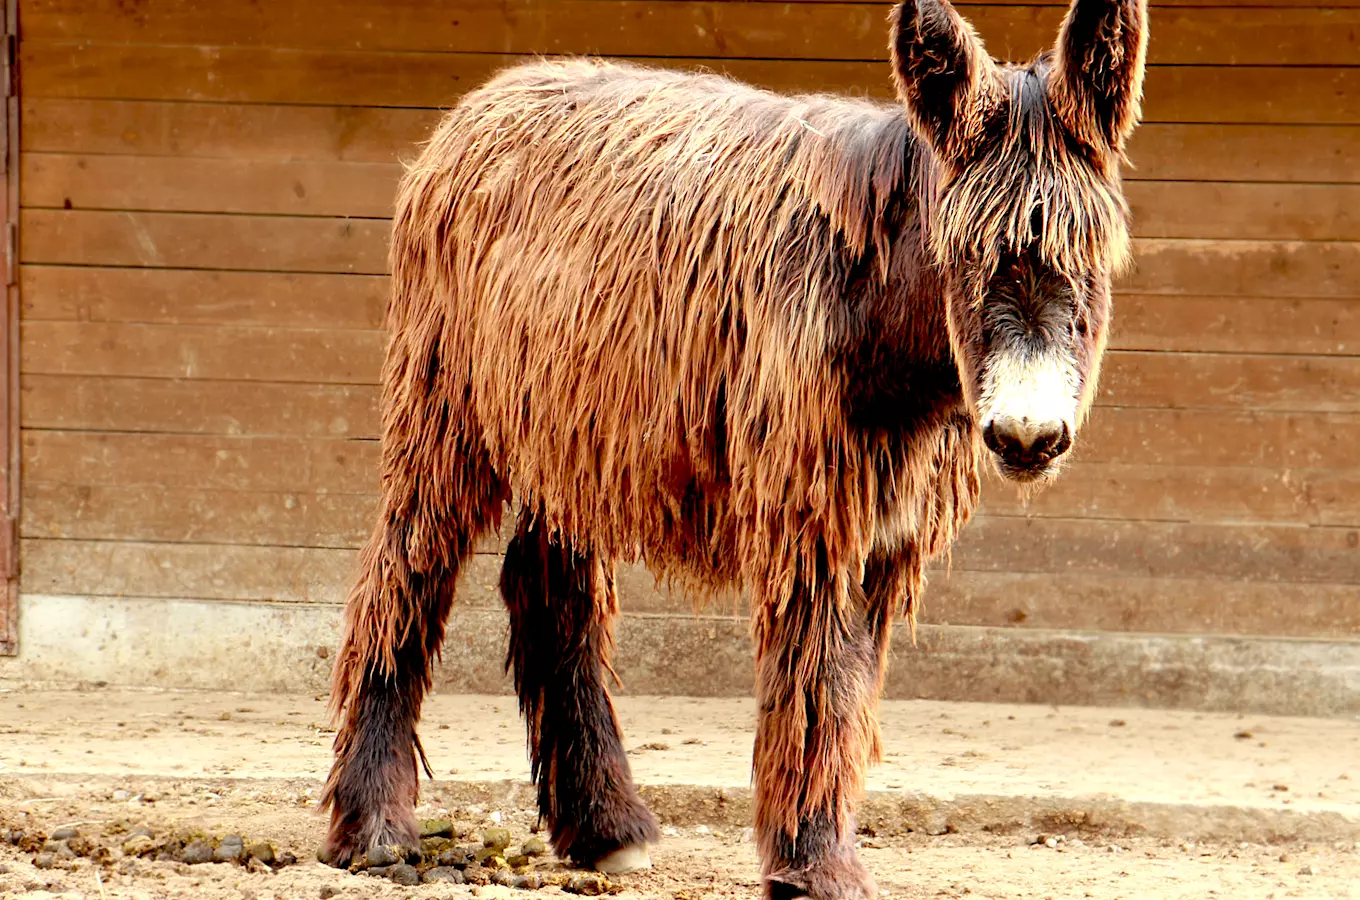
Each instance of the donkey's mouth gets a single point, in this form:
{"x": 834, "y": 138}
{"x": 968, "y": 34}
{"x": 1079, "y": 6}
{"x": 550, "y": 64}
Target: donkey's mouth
{"x": 1029, "y": 473}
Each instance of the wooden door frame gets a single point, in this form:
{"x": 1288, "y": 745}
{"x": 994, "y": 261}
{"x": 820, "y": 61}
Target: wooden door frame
{"x": 9, "y": 339}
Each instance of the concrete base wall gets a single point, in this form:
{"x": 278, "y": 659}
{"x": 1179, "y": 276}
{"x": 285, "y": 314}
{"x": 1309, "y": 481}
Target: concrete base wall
{"x": 289, "y": 647}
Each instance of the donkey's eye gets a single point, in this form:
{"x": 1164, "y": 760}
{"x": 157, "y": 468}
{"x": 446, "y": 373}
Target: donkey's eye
{"x": 1036, "y": 222}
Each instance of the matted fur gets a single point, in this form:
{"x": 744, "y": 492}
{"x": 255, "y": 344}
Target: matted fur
{"x": 735, "y": 335}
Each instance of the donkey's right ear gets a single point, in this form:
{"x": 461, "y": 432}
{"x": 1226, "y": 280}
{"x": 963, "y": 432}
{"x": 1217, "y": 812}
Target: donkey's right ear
{"x": 941, "y": 70}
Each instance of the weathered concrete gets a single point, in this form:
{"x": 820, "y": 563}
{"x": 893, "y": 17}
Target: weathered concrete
{"x": 286, "y": 646}
{"x": 947, "y": 766}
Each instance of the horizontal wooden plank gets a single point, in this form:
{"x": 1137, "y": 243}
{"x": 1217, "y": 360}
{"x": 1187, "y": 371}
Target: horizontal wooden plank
{"x": 1264, "y": 553}
{"x": 189, "y": 297}
{"x": 1145, "y": 436}
{"x": 1066, "y": 601}
{"x": 1262, "y": 212}
{"x": 1235, "y": 324}
{"x": 245, "y": 354}
{"x": 1202, "y": 94}
{"x": 358, "y": 246}
{"x": 1267, "y": 553}
{"x": 1127, "y": 488}
{"x": 105, "y": 182}
{"x": 1203, "y": 494}
{"x": 196, "y": 241}
{"x": 1245, "y": 152}
{"x": 272, "y": 187}
{"x": 236, "y": 132}
{"x": 681, "y": 28}
{"x": 265, "y": 299}
{"x": 1149, "y": 605}
{"x": 1244, "y": 268}
{"x": 1281, "y": 441}
{"x": 186, "y": 571}
{"x": 327, "y": 466}
{"x": 180, "y": 515}
{"x": 159, "y": 405}
{"x": 225, "y": 130}
{"x": 1177, "y": 380}
{"x": 1224, "y": 381}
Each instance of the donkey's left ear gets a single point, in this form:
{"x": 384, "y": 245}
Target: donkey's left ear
{"x": 1097, "y": 76}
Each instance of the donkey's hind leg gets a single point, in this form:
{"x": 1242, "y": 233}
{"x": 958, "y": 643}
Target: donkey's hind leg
{"x": 439, "y": 496}
{"x": 562, "y": 606}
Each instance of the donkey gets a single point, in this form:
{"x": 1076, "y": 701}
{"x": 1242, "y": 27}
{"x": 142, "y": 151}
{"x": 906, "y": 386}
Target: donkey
{"x": 754, "y": 341}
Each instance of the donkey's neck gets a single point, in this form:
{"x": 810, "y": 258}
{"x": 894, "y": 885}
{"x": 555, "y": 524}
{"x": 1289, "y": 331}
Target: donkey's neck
{"x": 899, "y": 369}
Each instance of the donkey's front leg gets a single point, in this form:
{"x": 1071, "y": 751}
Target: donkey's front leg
{"x": 819, "y": 668}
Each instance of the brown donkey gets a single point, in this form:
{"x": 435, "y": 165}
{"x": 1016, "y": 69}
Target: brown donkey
{"x": 752, "y": 340}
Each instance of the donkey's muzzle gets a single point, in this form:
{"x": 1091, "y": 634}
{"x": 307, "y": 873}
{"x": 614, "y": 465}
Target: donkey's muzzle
{"x": 1026, "y": 449}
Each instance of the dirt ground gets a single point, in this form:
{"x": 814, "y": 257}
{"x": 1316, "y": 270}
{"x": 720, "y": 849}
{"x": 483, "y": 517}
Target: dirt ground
{"x": 108, "y": 762}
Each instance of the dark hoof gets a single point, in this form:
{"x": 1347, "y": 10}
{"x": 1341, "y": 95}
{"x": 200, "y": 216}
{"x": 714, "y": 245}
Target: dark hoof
{"x": 841, "y": 878}
{"x": 344, "y": 849}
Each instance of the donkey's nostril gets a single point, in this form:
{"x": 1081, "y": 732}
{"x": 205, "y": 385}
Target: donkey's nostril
{"x": 1024, "y": 443}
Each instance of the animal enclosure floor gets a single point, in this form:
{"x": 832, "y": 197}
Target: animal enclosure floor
{"x": 1137, "y": 803}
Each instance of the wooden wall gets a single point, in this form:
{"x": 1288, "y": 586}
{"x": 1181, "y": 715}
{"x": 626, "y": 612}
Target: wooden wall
{"x": 205, "y": 193}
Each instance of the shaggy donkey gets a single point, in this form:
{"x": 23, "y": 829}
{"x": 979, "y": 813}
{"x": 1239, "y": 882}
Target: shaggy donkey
{"x": 752, "y": 340}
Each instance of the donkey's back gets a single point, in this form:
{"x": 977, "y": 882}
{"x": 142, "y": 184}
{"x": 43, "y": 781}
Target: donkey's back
{"x": 621, "y": 262}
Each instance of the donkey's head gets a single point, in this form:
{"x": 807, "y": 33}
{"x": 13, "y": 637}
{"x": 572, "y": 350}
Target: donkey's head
{"x": 1026, "y": 216}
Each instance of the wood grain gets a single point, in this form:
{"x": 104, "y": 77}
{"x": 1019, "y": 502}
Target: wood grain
{"x": 678, "y": 29}
{"x": 105, "y": 182}
{"x": 240, "y": 132}
{"x": 1199, "y": 94}
{"x": 358, "y": 246}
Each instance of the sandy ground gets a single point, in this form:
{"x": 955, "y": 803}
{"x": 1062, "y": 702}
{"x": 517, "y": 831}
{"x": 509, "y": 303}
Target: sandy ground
{"x": 108, "y": 761}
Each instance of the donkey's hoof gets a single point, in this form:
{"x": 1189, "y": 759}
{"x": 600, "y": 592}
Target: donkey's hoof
{"x": 624, "y": 860}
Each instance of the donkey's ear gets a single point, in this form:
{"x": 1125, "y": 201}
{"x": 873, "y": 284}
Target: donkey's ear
{"x": 941, "y": 70}
{"x": 1097, "y": 76}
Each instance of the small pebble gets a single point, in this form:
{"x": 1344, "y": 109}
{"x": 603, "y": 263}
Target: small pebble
{"x": 443, "y": 875}
{"x": 45, "y": 860}
{"x": 404, "y": 874}
{"x": 1050, "y": 842}
{"x": 378, "y": 857}
{"x": 476, "y": 875}
{"x": 121, "y": 796}
{"x": 197, "y": 852}
{"x": 456, "y": 857}
{"x": 503, "y": 877}
{"x": 436, "y": 828}
{"x": 1305, "y": 870}
{"x": 1280, "y": 787}
{"x": 588, "y": 885}
{"x": 519, "y": 859}
{"x": 496, "y": 838}
{"x": 138, "y": 845}
{"x": 231, "y": 849}
{"x": 328, "y": 891}
{"x": 263, "y": 851}
{"x": 256, "y": 867}
{"x": 529, "y": 882}
{"x": 65, "y": 834}
{"x": 534, "y": 847}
